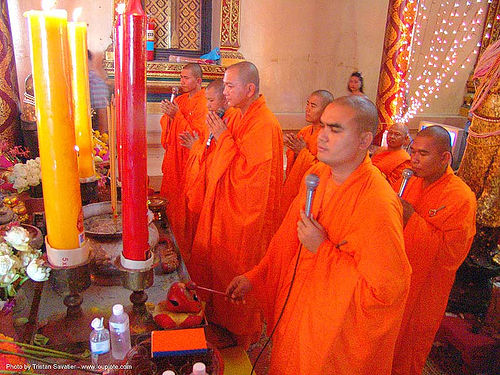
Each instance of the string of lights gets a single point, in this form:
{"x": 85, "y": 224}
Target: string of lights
{"x": 446, "y": 36}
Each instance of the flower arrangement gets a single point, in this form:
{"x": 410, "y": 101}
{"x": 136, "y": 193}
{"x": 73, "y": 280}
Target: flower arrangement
{"x": 19, "y": 261}
{"x": 25, "y": 175}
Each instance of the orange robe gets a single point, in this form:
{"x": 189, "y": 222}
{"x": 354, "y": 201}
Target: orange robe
{"x": 197, "y": 168}
{"x": 392, "y": 163}
{"x": 190, "y": 117}
{"x": 296, "y": 167}
{"x": 437, "y": 239}
{"x": 238, "y": 217}
{"x": 345, "y": 307}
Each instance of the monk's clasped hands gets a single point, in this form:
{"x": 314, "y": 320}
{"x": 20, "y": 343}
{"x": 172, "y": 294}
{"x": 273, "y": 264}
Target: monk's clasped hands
{"x": 311, "y": 233}
{"x": 187, "y": 139}
{"x": 170, "y": 109}
{"x": 294, "y": 143}
{"x": 215, "y": 124}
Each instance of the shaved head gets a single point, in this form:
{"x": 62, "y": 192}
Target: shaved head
{"x": 215, "y": 95}
{"x": 440, "y": 136}
{"x": 325, "y": 96}
{"x": 247, "y": 73}
{"x": 195, "y": 70}
{"x": 400, "y": 127}
{"x": 365, "y": 112}
{"x": 216, "y": 85}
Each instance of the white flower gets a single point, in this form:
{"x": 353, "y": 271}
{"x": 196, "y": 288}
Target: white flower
{"x": 5, "y": 249}
{"x": 33, "y": 180}
{"x": 9, "y": 277}
{"x": 37, "y": 271}
{"x": 20, "y": 184}
{"x": 18, "y": 238}
{"x": 8, "y": 263}
{"x": 31, "y": 163}
{"x": 20, "y": 170}
{"x": 27, "y": 256}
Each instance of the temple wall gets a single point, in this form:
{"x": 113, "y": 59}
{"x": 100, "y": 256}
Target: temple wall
{"x": 298, "y": 46}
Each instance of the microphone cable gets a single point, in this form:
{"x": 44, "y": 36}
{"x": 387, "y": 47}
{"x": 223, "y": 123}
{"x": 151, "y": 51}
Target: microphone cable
{"x": 281, "y": 313}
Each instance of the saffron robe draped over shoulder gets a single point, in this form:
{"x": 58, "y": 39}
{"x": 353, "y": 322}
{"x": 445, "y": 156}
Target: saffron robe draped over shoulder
{"x": 346, "y": 303}
{"x": 238, "y": 217}
{"x": 296, "y": 166}
{"x": 191, "y": 117}
{"x": 198, "y": 166}
{"x": 438, "y": 236}
{"x": 392, "y": 163}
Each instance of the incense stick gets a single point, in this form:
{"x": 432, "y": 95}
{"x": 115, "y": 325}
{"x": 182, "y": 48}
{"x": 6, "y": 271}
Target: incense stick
{"x": 112, "y": 162}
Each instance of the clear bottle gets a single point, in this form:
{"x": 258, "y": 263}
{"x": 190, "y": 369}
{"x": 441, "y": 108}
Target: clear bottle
{"x": 199, "y": 368}
{"x": 119, "y": 328}
{"x": 99, "y": 343}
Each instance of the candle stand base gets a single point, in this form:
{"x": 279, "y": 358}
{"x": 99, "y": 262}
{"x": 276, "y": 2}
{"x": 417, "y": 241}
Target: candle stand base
{"x": 88, "y": 190}
{"x": 72, "y": 327}
{"x": 137, "y": 280}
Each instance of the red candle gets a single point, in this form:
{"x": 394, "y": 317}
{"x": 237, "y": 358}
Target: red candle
{"x": 131, "y": 104}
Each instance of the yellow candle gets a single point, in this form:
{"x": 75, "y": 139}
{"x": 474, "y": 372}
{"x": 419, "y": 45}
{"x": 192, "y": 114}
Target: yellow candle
{"x": 56, "y": 133}
{"x": 77, "y": 33}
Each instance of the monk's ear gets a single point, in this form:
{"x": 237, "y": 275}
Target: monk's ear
{"x": 366, "y": 139}
{"x": 446, "y": 157}
{"x": 199, "y": 81}
{"x": 251, "y": 89}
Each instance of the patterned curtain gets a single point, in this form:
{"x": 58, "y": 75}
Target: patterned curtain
{"x": 9, "y": 92}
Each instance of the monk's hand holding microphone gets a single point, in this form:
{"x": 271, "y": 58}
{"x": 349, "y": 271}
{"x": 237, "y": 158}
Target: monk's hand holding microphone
{"x": 310, "y": 233}
{"x": 407, "y": 207}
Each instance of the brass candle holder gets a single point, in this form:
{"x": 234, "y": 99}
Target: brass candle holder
{"x": 138, "y": 280}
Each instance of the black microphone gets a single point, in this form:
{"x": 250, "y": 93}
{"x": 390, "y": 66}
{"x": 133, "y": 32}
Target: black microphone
{"x": 312, "y": 182}
{"x": 220, "y": 112}
{"x": 407, "y": 173}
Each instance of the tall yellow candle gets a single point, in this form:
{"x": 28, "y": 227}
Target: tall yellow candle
{"x": 77, "y": 34}
{"x": 56, "y": 133}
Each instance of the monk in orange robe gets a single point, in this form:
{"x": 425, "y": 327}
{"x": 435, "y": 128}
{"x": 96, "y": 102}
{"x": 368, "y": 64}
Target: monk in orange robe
{"x": 439, "y": 217}
{"x": 239, "y": 213}
{"x": 334, "y": 291}
{"x": 186, "y": 113}
{"x": 393, "y": 159}
{"x": 302, "y": 148}
{"x": 199, "y": 161}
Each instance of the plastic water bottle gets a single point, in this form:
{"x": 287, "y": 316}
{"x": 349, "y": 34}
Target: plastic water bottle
{"x": 99, "y": 342}
{"x": 199, "y": 368}
{"x": 120, "y": 332}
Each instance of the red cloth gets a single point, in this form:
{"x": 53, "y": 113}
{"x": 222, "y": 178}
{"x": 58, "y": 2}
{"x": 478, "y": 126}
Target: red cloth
{"x": 437, "y": 239}
{"x": 238, "y": 216}
{"x": 478, "y": 351}
{"x": 346, "y": 303}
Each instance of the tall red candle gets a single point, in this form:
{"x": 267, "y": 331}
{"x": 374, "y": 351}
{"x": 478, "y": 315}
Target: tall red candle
{"x": 132, "y": 127}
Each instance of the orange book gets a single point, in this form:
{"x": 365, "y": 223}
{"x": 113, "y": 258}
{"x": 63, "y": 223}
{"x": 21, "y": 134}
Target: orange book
{"x": 178, "y": 342}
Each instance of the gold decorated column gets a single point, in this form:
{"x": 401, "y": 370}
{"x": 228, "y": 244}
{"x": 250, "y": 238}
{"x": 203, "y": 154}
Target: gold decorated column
{"x": 9, "y": 93}
{"x": 401, "y": 16}
{"x": 230, "y": 32}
